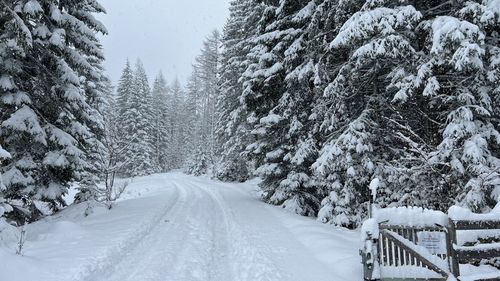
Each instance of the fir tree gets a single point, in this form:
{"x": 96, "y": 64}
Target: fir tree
{"x": 206, "y": 73}
{"x": 50, "y": 56}
{"x": 141, "y": 160}
{"x": 162, "y": 116}
{"x": 457, "y": 73}
{"x": 277, "y": 111}
{"x": 231, "y": 131}
{"x": 176, "y": 128}
{"x": 191, "y": 118}
{"x": 368, "y": 135}
{"x": 125, "y": 116}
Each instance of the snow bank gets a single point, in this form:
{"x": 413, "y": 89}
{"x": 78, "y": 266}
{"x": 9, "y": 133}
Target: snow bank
{"x": 8, "y": 236}
{"x": 459, "y": 213}
{"x": 472, "y": 273}
{"x": 410, "y": 216}
{"x": 408, "y": 272}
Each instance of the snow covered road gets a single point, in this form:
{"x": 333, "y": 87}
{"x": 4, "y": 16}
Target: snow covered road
{"x": 176, "y": 227}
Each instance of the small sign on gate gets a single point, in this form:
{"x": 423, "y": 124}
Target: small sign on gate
{"x": 434, "y": 242}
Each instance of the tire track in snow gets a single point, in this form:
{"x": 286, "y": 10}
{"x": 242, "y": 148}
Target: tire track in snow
{"x": 204, "y": 255}
{"x": 106, "y": 267}
{"x": 265, "y": 235}
{"x": 247, "y": 261}
{"x": 186, "y": 248}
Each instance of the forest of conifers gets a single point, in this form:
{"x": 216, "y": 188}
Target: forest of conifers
{"x": 317, "y": 98}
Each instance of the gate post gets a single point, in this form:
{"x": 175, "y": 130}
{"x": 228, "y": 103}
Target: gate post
{"x": 369, "y": 255}
{"x": 452, "y": 242}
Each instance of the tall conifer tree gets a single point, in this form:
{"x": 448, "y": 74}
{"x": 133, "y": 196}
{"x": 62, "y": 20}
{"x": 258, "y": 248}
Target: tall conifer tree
{"x": 50, "y": 58}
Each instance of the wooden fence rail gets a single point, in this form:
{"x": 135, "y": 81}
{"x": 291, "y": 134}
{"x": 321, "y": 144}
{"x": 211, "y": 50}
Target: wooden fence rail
{"x": 467, "y": 254}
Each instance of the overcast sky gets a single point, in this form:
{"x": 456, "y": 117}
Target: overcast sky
{"x": 165, "y": 34}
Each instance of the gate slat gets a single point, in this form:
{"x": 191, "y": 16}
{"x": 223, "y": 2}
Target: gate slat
{"x": 412, "y": 238}
{"x": 401, "y": 252}
{"x": 396, "y": 251}
{"x": 391, "y": 256}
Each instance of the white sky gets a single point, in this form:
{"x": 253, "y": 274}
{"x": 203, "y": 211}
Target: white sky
{"x": 166, "y": 34}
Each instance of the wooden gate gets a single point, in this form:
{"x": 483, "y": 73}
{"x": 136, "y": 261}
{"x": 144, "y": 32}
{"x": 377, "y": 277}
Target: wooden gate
{"x": 395, "y": 251}
{"x": 399, "y": 250}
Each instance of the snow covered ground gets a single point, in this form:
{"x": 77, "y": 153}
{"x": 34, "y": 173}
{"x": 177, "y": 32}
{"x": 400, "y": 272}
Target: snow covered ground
{"x": 178, "y": 227}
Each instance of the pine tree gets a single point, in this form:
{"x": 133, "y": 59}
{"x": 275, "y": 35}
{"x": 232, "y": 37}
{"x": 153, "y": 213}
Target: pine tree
{"x": 162, "y": 115}
{"x": 208, "y": 70}
{"x": 334, "y": 94}
{"x": 99, "y": 154}
{"x": 136, "y": 122}
{"x": 278, "y": 111}
{"x": 297, "y": 189}
{"x": 176, "y": 153}
{"x": 48, "y": 53}
{"x": 458, "y": 76}
{"x": 123, "y": 95}
{"x": 262, "y": 88}
{"x": 140, "y": 103}
{"x": 198, "y": 162}
{"x": 206, "y": 73}
{"x": 232, "y": 132}
{"x": 191, "y": 119}
{"x": 368, "y": 135}
{"x": 125, "y": 117}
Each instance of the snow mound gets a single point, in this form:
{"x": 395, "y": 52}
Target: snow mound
{"x": 459, "y": 213}
{"x": 410, "y": 216}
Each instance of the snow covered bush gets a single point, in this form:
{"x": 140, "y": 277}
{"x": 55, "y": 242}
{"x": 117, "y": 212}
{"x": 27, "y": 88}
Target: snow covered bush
{"x": 232, "y": 169}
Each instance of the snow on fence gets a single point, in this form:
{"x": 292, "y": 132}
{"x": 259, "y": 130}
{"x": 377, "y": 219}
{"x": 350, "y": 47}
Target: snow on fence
{"x": 411, "y": 243}
{"x": 473, "y": 236}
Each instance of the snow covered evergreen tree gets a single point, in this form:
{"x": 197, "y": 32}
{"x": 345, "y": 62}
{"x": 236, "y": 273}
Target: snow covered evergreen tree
{"x": 142, "y": 158}
{"x": 232, "y": 132}
{"x": 177, "y": 151}
{"x": 161, "y": 122}
{"x": 136, "y": 122}
{"x": 458, "y": 74}
{"x": 124, "y": 118}
{"x": 368, "y": 136}
{"x": 206, "y": 74}
{"x": 208, "y": 71}
{"x": 338, "y": 93}
{"x": 198, "y": 162}
{"x": 191, "y": 119}
{"x": 277, "y": 96}
{"x": 48, "y": 53}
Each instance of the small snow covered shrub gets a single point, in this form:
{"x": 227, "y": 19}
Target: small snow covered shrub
{"x": 232, "y": 170}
